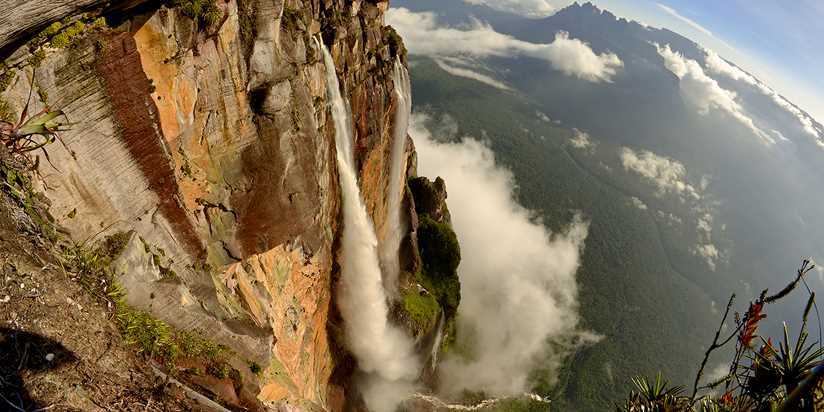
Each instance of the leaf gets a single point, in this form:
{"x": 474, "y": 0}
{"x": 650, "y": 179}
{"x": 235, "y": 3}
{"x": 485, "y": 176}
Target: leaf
{"x": 41, "y": 124}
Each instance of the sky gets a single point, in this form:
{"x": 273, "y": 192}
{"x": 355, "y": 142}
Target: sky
{"x": 777, "y": 41}
{"x": 780, "y": 42}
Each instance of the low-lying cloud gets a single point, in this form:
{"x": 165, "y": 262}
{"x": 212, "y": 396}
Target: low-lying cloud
{"x": 666, "y": 174}
{"x": 581, "y": 140}
{"x": 705, "y": 93}
{"x": 639, "y": 203}
{"x": 705, "y": 247}
{"x": 424, "y": 36}
{"x": 471, "y": 74}
{"x": 669, "y": 176}
{"x": 519, "y": 290}
{"x": 717, "y": 65}
{"x": 528, "y": 8}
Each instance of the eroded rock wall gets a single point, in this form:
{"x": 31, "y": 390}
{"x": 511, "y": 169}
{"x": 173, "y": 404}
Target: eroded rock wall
{"x": 211, "y": 143}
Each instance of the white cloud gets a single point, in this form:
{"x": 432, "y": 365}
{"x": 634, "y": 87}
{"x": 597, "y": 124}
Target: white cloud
{"x": 639, "y": 203}
{"x": 780, "y": 136}
{"x": 581, "y": 140}
{"x": 717, "y": 372}
{"x": 535, "y": 295}
{"x": 528, "y": 8}
{"x": 705, "y": 224}
{"x": 704, "y": 92}
{"x": 575, "y": 58}
{"x": 424, "y": 36}
{"x": 705, "y": 248}
{"x": 671, "y": 219}
{"x": 668, "y": 175}
{"x": 469, "y": 74}
{"x": 542, "y": 116}
{"x": 710, "y": 254}
{"x": 716, "y": 64}
{"x": 690, "y": 22}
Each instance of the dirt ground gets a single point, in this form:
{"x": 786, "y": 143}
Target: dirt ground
{"x": 59, "y": 349}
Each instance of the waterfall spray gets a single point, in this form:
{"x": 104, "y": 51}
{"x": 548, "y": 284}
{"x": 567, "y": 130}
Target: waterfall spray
{"x": 436, "y": 344}
{"x": 395, "y": 227}
{"x": 384, "y": 353}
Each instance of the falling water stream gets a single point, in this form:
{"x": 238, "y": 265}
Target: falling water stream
{"x": 395, "y": 227}
{"x": 383, "y": 351}
{"x": 436, "y": 344}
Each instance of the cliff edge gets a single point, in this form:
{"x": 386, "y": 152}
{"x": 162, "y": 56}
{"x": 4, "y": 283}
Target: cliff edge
{"x": 194, "y": 135}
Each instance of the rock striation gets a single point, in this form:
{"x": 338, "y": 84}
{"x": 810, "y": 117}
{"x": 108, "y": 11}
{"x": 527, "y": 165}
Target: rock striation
{"x": 208, "y": 139}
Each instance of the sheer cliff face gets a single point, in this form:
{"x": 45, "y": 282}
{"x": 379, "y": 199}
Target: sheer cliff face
{"x": 212, "y": 142}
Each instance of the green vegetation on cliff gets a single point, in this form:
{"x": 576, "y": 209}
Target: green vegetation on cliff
{"x": 441, "y": 255}
{"x": 205, "y": 12}
{"x": 150, "y": 337}
{"x": 422, "y": 307}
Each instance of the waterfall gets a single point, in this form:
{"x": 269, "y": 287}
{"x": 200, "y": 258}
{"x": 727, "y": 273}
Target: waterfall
{"x": 395, "y": 227}
{"x": 436, "y": 345}
{"x": 384, "y": 353}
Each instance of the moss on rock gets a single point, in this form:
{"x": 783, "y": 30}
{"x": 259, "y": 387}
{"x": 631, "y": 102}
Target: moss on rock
{"x": 422, "y": 308}
{"x": 440, "y": 255}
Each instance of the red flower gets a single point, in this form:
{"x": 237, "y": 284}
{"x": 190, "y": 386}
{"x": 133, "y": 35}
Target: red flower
{"x": 751, "y": 320}
{"x": 726, "y": 400}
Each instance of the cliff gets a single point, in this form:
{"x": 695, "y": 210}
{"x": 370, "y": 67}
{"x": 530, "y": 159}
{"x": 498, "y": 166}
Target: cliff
{"x": 197, "y": 133}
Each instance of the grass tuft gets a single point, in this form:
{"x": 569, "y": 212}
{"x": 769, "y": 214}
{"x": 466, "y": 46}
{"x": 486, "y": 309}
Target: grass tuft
{"x": 421, "y": 307}
{"x": 205, "y": 12}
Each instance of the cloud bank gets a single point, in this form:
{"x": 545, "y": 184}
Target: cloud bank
{"x": 705, "y": 93}
{"x": 667, "y": 175}
{"x": 517, "y": 278}
{"x": 424, "y": 36}
{"x": 528, "y": 8}
{"x": 717, "y": 65}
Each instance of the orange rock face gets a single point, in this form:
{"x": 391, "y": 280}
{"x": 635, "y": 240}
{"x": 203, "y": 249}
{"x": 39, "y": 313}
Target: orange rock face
{"x": 215, "y": 146}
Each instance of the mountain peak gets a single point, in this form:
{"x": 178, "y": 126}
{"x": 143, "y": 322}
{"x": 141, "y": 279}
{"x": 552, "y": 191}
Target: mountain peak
{"x": 588, "y": 6}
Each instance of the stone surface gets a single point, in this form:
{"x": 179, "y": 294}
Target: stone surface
{"x": 430, "y": 198}
{"x": 22, "y": 18}
{"x": 213, "y": 146}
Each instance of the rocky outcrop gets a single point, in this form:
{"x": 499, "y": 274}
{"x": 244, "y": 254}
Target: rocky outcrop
{"x": 24, "y": 18}
{"x": 430, "y": 198}
{"x": 209, "y": 140}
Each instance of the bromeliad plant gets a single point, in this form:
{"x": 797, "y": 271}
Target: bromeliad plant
{"x": 655, "y": 396}
{"x": 761, "y": 377}
{"x": 32, "y": 133}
